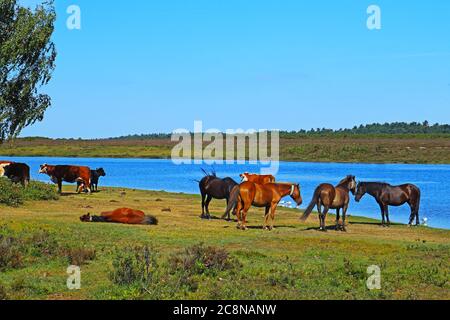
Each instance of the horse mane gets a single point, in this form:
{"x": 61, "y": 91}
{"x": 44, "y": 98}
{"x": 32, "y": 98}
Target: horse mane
{"x": 375, "y": 184}
{"x": 345, "y": 180}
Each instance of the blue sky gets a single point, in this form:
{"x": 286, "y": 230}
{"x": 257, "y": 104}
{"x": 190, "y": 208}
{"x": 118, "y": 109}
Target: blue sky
{"x": 155, "y": 66}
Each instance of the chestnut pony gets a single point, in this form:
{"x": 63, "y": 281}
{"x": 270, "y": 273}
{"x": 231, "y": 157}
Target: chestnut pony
{"x": 256, "y": 178}
{"x": 331, "y": 197}
{"x": 267, "y": 196}
{"x": 123, "y": 215}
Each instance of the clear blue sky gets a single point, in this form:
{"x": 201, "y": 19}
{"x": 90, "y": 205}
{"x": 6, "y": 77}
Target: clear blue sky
{"x": 156, "y": 66}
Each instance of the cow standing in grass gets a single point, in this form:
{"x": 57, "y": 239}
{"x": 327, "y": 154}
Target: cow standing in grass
{"x": 70, "y": 174}
{"x": 95, "y": 177}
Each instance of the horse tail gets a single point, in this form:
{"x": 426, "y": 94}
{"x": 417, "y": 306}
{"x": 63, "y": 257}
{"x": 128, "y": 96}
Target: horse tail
{"x": 232, "y": 202}
{"x": 150, "y": 220}
{"x": 311, "y": 206}
{"x": 419, "y": 196}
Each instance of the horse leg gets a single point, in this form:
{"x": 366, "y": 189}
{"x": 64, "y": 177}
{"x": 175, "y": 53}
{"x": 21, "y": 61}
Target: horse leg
{"x": 239, "y": 213}
{"x": 414, "y": 215}
{"x": 323, "y": 219}
{"x": 319, "y": 210}
{"x": 203, "y": 205}
{"x": 383, "y": 223}
{"x": 415, "y": 212}
{"x": 228, "y": 214}
{"x": 344, "y": 217}
{"x": 266, "y": 218}
{"x": 208, "y": 201}
{"x": 272, "y": 215}
{"x": 244, "y": 216}
{"x": 386, "y": 211}
{"x": 337, "y": 218}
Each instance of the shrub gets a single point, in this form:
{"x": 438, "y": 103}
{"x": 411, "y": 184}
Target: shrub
{"x": 10, "y": 194}
{"x": 134, "y": 266}
{"x": 10, "y": 255}
{"x": 200, "y": 259}
{"x": 39, "y": 191}
{"x": 41, "y": 243}
{"x": 79, "y": 256}
{"x": 14, "y": 195}
{"x": 3, "y": 295}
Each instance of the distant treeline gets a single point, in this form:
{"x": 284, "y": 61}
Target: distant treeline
{"x": 394, "y": 128}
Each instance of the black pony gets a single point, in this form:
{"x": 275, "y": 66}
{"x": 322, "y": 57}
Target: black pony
{"x": 212, "y": 187}
{"x": 387, "y": 195}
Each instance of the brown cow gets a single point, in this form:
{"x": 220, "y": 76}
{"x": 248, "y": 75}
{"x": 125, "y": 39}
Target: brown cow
{"x": 70, "y": 174}
{"x": 258, "y": 179}
{"x": 16, "y": 172}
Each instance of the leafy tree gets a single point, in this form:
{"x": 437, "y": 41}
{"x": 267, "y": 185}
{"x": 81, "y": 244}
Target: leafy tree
{"x": 27, "y": 60}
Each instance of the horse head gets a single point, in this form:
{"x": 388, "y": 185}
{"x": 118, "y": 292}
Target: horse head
{"x": 244, "y": 176}
{"x": 86, "y": 218}
{"x": 352, "y": 184}
{"x": 296, "y": 194}
{"x": 360, "y": 191}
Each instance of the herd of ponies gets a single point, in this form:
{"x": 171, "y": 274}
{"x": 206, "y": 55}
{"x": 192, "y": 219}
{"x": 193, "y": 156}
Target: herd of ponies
{"x": 262, "y": 191}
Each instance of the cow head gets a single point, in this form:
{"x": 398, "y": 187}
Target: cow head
{"x": 2, "y": 169}
{"x": 43, "y": 169}
{"x": 101, "y": 172}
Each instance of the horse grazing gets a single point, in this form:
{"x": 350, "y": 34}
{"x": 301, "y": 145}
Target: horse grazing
{"x": 212, "y": 187}
{"x": 331, "y": 197}
{"x": 256, "y": 178}
{"x": 123, "y": 215}
{"x": 267, "y": 196}
{"x": 387, "y": 195}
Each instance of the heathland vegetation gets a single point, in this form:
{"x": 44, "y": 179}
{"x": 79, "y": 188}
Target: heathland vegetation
{"x": 184, "y": 257}
{"x": 379, "y": 143}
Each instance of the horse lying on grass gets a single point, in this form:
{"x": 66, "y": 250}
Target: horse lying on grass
{"x": 123, "y": 215}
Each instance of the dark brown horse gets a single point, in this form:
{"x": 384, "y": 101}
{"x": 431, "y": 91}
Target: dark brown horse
{"x": 331, "y": 197}
{"x": 212, "y": 187}
{"x": 267, "y": 196}
{"x": 122, "y": 215}
{"x": 387, "y": 195}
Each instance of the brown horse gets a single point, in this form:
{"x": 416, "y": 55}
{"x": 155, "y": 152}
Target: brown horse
{"x": 267, "y": 196}
{"x": 256, "y": 178}
{"x": 387, "y": 195}
{"x": 123, "y": 215}
{"x": 331, "y": 197}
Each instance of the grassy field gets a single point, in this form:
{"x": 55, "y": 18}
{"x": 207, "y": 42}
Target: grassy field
{"x": 40, "y": 239}
{"x": 328, "y": 148}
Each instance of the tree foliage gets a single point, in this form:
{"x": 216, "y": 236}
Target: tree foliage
{"x": 27, "y": 60}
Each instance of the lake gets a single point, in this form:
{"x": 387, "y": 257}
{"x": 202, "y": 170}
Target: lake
{"x": 164, "y": 175}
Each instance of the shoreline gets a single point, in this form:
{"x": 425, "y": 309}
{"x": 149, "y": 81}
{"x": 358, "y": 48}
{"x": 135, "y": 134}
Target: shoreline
{"x": 7, "y": 157}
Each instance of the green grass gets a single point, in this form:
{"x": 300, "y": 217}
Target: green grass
{"x": 414, "y": 148}
{"x": 295, "y": 261}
